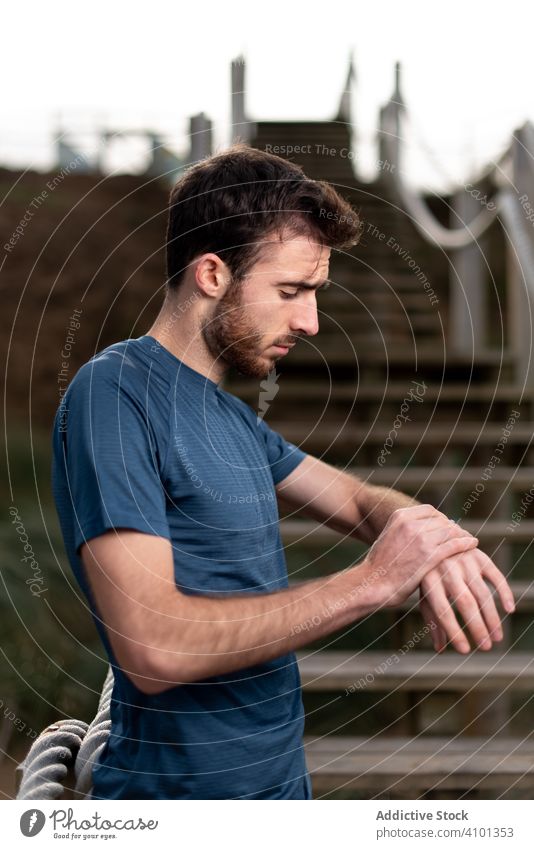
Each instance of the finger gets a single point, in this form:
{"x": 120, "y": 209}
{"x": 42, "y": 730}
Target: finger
{"x": 460, "y": 595}
{"x": 449, "y": 524}
{"x": 456, "y": 545}
{"x": 438, "y": 535}
{"x": 444, "y": 614}
{"x": 486, "y": 604}
{"x": 494, "y": 575}
{"x": 437, "y": 545}
{"x": 429, "y": 521}
{"x": 419, "y": 511}
{"x": 473, "y": 571}
{"x": 454, "y": 531}
{"x": 439, "y": 637}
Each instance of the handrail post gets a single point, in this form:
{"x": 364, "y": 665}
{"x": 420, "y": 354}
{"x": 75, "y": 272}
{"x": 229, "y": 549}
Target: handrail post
{"x": 467, "y": 333}
{"x": 519, "y": 253}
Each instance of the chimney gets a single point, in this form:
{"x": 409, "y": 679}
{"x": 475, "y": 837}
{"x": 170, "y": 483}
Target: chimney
{"x": 200, "y": 135}
{"x": 241, "y": 127}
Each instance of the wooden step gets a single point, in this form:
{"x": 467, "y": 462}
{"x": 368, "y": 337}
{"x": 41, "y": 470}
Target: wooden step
{"x": 405, "y": 303}
{"x": 351, "y": 436}
{"x": 390, "y": 392}
{"x": 338, "y": 324}
{"x": 385, "y": 764}
{"x": 376, "y": 292}
{"x": 386, "y": 281}
{"x": 416, "y": 476}
{"x": 415, "y": 356}
{"x": 307, "y": 532}
{"x": 367, "y": 305}
{"x": 416, "y": 670}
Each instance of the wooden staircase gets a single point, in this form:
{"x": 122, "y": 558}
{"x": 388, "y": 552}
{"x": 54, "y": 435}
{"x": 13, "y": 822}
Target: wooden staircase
{"x": 423, "y": 725}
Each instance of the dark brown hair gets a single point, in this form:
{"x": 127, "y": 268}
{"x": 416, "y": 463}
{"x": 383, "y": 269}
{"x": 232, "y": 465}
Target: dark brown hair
{"x": 228, "y": 203}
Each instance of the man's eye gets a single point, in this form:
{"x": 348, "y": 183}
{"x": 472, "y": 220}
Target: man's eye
{"x": 287, "y": 295}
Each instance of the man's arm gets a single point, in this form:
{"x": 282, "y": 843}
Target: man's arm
{"x": 162, "y": 637}
{"x": 355, "y": 508}
{"x": 341, "y": 500}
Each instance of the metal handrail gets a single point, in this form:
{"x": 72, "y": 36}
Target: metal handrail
{"x": 422, "y": 217}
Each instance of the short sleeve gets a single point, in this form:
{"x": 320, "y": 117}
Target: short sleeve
{"x": 108, "y": 447}
{"x": 282, "y": 456}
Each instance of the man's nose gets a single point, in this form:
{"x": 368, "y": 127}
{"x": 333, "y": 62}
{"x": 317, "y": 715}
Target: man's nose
{"x": 305, "y": 320}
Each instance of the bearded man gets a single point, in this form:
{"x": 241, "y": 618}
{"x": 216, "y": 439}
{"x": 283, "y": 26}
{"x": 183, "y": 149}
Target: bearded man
{"x": 167, "y": 492}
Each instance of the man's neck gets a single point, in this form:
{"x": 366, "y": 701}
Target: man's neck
{"x": 182, "y": 337}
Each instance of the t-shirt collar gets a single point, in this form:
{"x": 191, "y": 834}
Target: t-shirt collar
{"x": 178, "y": 369}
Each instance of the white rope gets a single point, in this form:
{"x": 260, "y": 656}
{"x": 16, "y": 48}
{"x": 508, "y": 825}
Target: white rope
{"x": 46, "y": 764}
{"x": 63, "y": 745}
{"x": 94, "y": 740}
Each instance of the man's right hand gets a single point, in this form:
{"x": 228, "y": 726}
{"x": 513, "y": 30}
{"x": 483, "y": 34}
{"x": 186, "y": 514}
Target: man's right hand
{"x": 414, "y": 541}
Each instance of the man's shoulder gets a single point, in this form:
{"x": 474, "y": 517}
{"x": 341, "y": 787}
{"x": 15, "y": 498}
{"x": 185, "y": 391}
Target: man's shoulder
{"x": 117, "y": 384}
{"x": 121, "y": 364}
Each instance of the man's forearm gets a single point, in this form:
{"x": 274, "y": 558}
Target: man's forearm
{"x": 197, "y": 637}
{"x": 221, "y": 635}
{"x": 168, "y": 638}
{"x": 375, "y": 505}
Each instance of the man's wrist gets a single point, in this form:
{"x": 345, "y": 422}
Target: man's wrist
{"x": 380, "y": 504}
{"x": 366, "y": 592}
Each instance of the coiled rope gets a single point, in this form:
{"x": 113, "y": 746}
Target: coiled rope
{"x": 67, "y": 744}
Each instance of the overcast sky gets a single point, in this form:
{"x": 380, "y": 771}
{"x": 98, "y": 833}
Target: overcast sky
{"x": 467, "y": 71}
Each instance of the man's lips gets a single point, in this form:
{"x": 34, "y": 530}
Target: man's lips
{"x": 283, "y": 349}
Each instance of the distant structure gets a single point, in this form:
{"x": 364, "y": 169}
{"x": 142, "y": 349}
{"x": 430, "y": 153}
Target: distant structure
{"x": 242, "y": 128}
{"x": 454, "y": 225}
{"x": 345, "y": 104}
{"x": 68, "y": 157}
{"x": 163, "y": 162}
{"x": 200, "y": 134}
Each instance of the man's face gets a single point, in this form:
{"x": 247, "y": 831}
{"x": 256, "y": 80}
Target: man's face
{"x": 258, "y": 320}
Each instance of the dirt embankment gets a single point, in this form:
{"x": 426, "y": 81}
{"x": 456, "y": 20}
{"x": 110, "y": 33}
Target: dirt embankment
{"x": 83, "y": 266}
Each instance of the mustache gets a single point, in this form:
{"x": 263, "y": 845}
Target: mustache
{"x": 286, "y": 342}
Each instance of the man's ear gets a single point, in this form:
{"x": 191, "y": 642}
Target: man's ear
{"x": 212, "y": 275}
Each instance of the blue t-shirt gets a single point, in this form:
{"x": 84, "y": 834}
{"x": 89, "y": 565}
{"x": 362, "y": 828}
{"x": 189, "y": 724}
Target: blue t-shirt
{"x": 143, "y": 441}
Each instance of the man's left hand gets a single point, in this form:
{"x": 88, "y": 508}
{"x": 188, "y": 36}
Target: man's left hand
{"x": 462, "y": 580}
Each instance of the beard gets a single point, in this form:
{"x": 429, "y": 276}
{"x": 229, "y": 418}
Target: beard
{"x": 231, "y": 335}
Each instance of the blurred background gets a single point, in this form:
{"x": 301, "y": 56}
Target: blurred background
{"x": 422, "y": 117}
